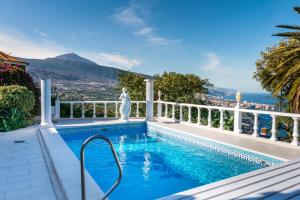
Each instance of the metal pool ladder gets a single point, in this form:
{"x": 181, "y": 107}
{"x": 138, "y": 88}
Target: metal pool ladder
{"x": 113, "y": 187}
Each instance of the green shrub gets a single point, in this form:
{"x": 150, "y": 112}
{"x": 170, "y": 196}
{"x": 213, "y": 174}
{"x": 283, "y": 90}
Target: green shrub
{"x": 16, "y": 106}
{"x": 19, "y": 97}
{"x": 12, "y": 119}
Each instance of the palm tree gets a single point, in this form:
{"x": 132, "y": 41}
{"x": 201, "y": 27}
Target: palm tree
{"x": 287, "y": 76}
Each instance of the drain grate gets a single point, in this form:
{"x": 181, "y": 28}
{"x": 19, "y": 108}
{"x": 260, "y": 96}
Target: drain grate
{"x": 19, "y": 141}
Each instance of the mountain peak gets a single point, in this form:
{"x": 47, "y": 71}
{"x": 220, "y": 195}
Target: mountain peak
{"x": 74, "y": 58}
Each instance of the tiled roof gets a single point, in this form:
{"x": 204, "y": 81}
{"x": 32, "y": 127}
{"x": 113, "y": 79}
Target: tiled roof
{"x": 7, "y": 58}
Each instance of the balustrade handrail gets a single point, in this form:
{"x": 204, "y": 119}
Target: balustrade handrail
{"x": 95, "y": 101}
{"x": 295, "y": 115}
{"x": 196, "y": 105}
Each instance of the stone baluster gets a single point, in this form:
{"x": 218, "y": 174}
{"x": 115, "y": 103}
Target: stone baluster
{"x": 166, "y": 110}
{"x": 173, "y": 112}
{"x": 221, "y": 120}
{"x": 105, "y": 110}
{"x": 57, "y": 108}
{"x": 209, "y": 118}
{"x": 137, "y": 109}
{"x": 116, "y": 111}
{"x": 82, "y": 111}
{"x": 273, "y": 130}
{"x": 94, "y": 110}
{"x": 180, "y": 113}
{"x": 295, "y": 132}
{"x": 199, "y": 116}
{"x": 190, "y": 115}
{"x": 255, "y": 126}
{"x": 71, "y": 111}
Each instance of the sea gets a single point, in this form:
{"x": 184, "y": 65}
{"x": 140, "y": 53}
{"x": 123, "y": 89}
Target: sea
{"x": 261, "y": 98}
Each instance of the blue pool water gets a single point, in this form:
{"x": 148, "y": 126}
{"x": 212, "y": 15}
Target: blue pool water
{"x": 154, "y": 165}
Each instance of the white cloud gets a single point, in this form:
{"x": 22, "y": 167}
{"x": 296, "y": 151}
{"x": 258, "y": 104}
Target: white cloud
{"x": 212, "y": 61}
{"x": 17, "y": 44}
{"x": 41, "y": 33}
{"x": 114, "y": 60}
{"x": 130, "y": 16}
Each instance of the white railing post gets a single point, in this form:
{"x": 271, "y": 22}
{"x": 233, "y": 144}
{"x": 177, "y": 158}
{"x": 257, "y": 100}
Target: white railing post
{"x": 116, "y": 111}
{"x": 166, "y": 110}
{"x": 94, "y": 110}
{"x": 173, "y": 112}
{"x": 221, "y": 120}
{"x": 199, "y": 116}
{"x": 149, "y": 99}
{"x": 237, "y": 120}
{"x": 105, "y": 110}
{"x": 82, "y": 111}
{"x": 209, "y": 118}
{"x": 255, "y": 126}
{"x": 180, "y": 113}
{"x": 71, "y": 111}
{"x": 190, "y": 115}
{"x": 273, "y": 130}
{"x": 295, "y": 132}
{"x": 137, "y": 109}
{"x": 57, "y": 108}
{"x": 46, "y": 115}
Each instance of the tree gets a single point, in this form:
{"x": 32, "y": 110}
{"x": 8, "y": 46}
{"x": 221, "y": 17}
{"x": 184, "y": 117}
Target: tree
{"x": 278, "y": 69}
{"x": 174, "y": 86}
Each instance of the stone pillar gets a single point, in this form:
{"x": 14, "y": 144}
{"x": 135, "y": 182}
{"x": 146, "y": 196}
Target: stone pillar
{"x": 149, "y": 99}
{"x": 46, "y": 117}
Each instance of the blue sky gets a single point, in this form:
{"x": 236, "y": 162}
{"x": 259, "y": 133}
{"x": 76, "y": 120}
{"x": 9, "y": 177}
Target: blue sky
{"x": 215, "y": 39}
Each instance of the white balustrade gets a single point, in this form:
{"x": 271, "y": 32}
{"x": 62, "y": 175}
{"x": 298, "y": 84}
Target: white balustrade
{"x": 295, "y": 132}
{"x": 239, "y": 111}
{"x": 71, "y": 110}
{"x": 180, "y": 113}
{"x": 94, "y": 104}
{"x": 173, "y": 112}
{"x": 116, "y": 110}
{"x": 82, "y": 111}
{"x": 94, "y": 110}
{"x": 209, "y": 118}
{"x": 190, "y": 115}
{"x": 273, "y": 130}
{"x": 199, "y": 116}
{"x": 255, "y": 126}
{"x": 221, "y": 119}
{"x": 137, "y": 109}
{"x": 105, "y": 110}
{"x": 166, "y": 110}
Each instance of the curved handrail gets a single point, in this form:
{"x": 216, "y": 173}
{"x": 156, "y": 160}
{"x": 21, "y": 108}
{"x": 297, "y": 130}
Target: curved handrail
{"x": 85, "y": 143}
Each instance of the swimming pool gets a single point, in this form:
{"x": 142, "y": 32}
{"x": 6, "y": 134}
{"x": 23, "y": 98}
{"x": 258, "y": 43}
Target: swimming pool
{"x": 157, "y": 162}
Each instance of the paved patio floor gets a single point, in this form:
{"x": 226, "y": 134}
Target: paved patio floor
{"x": 23, "y": 171}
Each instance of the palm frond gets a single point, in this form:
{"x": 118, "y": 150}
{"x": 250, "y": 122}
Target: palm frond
{"x": 295, "y": 35}
{"x": 297, "y": 9}
{"x": 296, "y": 27}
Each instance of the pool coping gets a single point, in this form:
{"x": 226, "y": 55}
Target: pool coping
{"x": 67, "y": 167}
{"x": 218, "y": 142}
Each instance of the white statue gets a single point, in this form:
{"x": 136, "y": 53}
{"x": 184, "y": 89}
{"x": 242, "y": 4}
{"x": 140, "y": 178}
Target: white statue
{"x": 125, "y": 106}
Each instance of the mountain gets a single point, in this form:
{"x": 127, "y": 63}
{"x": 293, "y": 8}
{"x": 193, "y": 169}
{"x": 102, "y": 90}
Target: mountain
{"x": 74, "y": 58}
{"x": 217, "y": 91}
{"x": 70, "y": 67}
{"x": 72, "y": 74}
